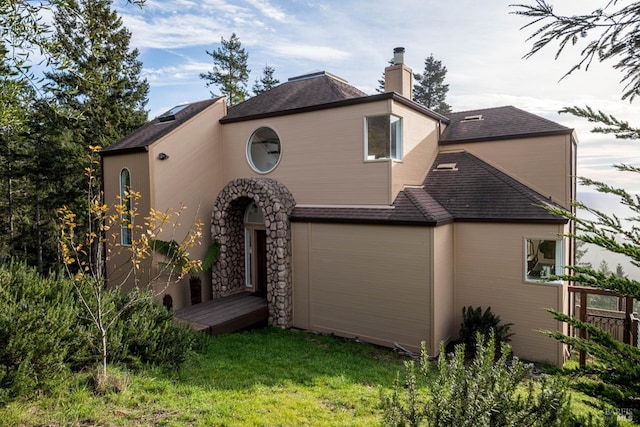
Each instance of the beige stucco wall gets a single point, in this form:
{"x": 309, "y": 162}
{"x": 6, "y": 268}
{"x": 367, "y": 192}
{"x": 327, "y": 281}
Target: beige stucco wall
{"x": 118, "y": 265}
{"x": 420, "y": 147}
{"x": 442, "y": 313}
{"x": 322, "y": 156}
{"x": 191, "y": 176}
{"x": 371, "y": 282}
{"x": 542, "y": 163}
{"x": 489, "y": 272}
{"x": 322, "y": 160}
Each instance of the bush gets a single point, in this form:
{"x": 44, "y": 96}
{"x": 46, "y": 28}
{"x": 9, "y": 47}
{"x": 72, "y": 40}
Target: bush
{"x": 37, "y": 329}
{"x": 46, "y": 331}
{"x": 145, "y": 332}
{"x": 142, "y": 332}
{"x": 481, "y": 393}
{"x": 475, "y": 321}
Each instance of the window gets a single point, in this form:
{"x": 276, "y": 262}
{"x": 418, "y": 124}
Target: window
{"x": 263, "y": 150}
{"x": 125, "y": 199}
{"x": 383, "y": 138}
{"x": 544, "y": 258}
{"x": 255, "y": 246}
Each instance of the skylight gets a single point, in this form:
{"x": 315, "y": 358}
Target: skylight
{"x": 473, "y": 118}
{"x": 447, "y": 167}
{"x": 171, "y": 114}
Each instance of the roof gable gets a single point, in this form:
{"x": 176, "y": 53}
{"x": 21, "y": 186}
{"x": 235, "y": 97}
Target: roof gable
{"x": 147, "y": 134}
{"x": 498, "y": 123}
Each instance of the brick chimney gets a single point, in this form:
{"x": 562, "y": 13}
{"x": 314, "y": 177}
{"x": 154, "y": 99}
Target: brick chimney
{"x": 398, "y": 77}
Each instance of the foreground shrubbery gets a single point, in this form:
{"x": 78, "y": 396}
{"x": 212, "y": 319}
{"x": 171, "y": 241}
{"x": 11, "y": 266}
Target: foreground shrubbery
{"x": 482, "y": 392}
{"x": 46, "y": 332}
{"x": 38, "y": 330}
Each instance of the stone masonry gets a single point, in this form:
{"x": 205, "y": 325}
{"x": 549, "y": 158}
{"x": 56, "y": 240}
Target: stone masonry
{"x": 227, "y": 227}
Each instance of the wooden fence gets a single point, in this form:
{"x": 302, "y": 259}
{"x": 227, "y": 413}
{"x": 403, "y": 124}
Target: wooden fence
{"x": 621, "y": 323}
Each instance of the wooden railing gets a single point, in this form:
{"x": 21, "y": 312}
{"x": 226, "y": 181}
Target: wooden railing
{"x": 621, "y": 323}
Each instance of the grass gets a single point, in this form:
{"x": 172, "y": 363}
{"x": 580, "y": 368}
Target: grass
{"x": 266, "y": 377}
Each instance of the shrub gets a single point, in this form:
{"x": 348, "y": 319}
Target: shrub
{"x": 145, "y": 332}
{"x": 480, "y": 393}
{"x": 45, "y": 331}
{"x": 142, "y": 332}
{"x": 37, "y": 329}
{"x": 475, "y": 321}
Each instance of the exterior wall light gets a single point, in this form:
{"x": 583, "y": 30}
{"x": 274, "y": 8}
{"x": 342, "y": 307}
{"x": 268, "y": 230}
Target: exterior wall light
{"x": 163, "y": 156}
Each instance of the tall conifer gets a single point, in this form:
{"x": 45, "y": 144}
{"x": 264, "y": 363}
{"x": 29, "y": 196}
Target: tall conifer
{"x": 230, "y": 72}
{"x": 429, "y": 88}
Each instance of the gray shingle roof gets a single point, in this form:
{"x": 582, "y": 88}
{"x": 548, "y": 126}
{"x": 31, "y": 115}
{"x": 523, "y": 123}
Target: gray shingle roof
{"x": 155, "y": 129}
{"x": 476, "y": 191}
{"x": 412, "y": 207}
{"x": 498, "y": 123}
{"x": 312, "y": 90}
{"x": 473, "y": 191}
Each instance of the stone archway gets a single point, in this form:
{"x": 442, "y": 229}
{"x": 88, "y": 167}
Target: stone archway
{"x": 227, "y": 227}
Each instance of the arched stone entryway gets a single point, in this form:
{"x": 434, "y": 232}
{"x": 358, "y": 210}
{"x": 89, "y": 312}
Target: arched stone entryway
{"x": 227, "y": 227}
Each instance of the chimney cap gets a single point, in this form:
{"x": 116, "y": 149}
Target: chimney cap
{"x": 398, "y": 55}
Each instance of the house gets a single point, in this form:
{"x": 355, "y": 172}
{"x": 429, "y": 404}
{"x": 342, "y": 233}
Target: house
{"x": 367, "y": 215}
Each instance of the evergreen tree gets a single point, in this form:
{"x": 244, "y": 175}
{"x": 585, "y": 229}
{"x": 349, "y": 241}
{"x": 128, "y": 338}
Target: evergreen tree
{"x": 105, "y": 86}
{"x": 610, "y": 33}
{"x": 15, "y": 104}
{"x": 26, "y": 30}
{"x": 101, "y": 84}
{"x": 230, "y": 72}
{"x": 266, "y": 82}
{"x": 429, "y": 88}
{"x": 620, "y": 271}
{"x": 381, "y": 82}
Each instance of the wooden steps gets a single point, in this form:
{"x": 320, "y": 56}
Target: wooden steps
{"x": 224, "y": 315}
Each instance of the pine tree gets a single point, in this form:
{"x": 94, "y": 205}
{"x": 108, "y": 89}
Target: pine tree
{"x": 26, "y": 31}
{"x": 101, "y": 83}
{"x": 230, "y": 72}
{"x": 429, "y": 88}
{"x": 381, "y": 82}
{"x": 266, "y": 82}
{"x": 15, "y": 105}
{"x": 610, "y": 33}
{"x": 105, "y": 86}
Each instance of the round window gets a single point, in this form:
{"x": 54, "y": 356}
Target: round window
{"x": 263, "y": 150}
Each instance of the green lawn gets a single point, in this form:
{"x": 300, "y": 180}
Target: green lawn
{"x": 267, "y": 377}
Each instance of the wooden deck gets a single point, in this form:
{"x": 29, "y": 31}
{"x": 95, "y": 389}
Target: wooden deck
{"x": 224, "y": 315}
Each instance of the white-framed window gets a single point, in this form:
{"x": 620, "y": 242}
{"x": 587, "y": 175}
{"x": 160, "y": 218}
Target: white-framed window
{"x": 253, "y": 219}
{"x": 383, "y": 137}
{"x": 125, "y": 199}
{"x": 543, "y": 258}
{"x": 263, "y": 150}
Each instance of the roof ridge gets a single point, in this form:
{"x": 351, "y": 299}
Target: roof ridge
{"x": 412, "y": 195}
{"x": 481, "y": 109}
{"x": 414, "y": 201}
{"x": 333, "y": 84}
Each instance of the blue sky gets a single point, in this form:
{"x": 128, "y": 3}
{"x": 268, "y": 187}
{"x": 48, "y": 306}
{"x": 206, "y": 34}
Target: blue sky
{"x": 480, "y": 43}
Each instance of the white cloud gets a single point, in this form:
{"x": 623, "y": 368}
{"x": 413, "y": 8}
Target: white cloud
{"x": 268, "y": 10}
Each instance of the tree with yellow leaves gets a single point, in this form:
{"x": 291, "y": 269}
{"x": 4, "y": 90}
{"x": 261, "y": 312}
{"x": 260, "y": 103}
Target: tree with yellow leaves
{"x": 83, "y": 255}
